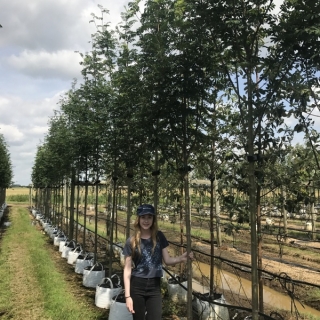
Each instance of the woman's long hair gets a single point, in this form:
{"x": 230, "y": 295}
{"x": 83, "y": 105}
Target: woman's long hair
{"x": 136, "y": 238}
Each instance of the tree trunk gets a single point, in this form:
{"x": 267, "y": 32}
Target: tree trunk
{"x": 72, "y": 194}
{"x": 156, "y": 182}
{"x": 188, "y": 235}
{"x": 217, "y": 212}
{"x": 96, "y": 221}
{"x": 283, "y": 211}
{"x": 77, "y": 211}
{"x": 212, "y": 179}
{"x": 85, "y": 212}
{"x": 261, "y": 307}
{"x": 252, "y": 208}
{"x": 129, "y": 175}
{"x": 181, "y": 215}
{"x": 114, "y": 178}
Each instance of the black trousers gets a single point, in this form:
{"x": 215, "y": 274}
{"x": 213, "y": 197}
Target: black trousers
{"x": 146, "y": 297}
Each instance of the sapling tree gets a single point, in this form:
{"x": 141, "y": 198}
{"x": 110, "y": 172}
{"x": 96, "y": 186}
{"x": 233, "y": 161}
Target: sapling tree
{"x": 258, "y": 69}
{"x": 6, "y": 173}
{"x": 174, "y": 78}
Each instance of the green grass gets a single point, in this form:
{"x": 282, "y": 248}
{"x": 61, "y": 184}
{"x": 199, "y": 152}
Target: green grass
{"x": 18, "y": 198}
{"x": 58, "y": 301}
{"x": 5, "y": 277}
{"x": 313, "y": 295}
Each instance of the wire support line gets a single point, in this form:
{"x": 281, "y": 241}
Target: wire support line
{"x": 237, "y": 266}
{"x": 242, "y": 267}
{"x": 288, "y": 285}
{"x": 229, "y": 306}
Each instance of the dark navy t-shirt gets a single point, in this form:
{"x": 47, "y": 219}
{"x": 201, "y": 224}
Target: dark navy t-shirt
{"x": 147, "y": 265}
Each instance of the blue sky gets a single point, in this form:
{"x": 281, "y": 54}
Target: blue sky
{"x": 37, "y": 65}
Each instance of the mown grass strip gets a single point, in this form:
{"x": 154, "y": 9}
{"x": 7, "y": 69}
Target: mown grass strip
{"x": 5, "y": 276}
{"x": 57, "y": 301}
{"x": 17, "y": 278}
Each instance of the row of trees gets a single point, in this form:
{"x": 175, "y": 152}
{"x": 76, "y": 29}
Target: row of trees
{"x": 202, "y": 87}
{"x": 6, "y": 173}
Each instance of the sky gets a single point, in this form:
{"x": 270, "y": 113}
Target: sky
{"x": 38, "y": 63}
{"x": 39, "y": 41}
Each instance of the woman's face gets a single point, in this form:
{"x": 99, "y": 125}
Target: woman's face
{"x": 146, "y": 221}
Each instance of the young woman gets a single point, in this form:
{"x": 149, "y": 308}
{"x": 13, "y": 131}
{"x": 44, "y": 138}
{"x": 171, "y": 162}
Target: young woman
{"x": 144, "y": 253}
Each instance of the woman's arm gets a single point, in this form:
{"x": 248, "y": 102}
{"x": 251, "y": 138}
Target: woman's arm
{"x": 126, "y": 281}
{"x": 169, "y": 261}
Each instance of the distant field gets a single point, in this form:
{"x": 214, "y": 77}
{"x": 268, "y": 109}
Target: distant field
{"x": 18, "y": 190}
{"x": 17, "y": 195}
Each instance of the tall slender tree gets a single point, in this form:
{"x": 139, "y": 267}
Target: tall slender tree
{"x": 6, "y": 173}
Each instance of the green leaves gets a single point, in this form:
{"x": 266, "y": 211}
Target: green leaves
{"x": 6, "y": 173}
{"x": 206, "y": 83}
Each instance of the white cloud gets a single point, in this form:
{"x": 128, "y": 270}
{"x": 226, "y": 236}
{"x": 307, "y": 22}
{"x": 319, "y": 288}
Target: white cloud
{"x": 12, "y": 134}
{"x": 52, "y": 24}
{"x": 4, "y": 102}
{"x": 38, "y": 64}
{"x": 24, "y": 128}
{"x": 28, "y": 114}
{"x": 61, "y": 64}
{"x": 40, "y": 130}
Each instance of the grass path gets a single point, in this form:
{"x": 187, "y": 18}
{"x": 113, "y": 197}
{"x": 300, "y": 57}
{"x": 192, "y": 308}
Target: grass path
{"x": 31, "y": 287}
{"x": 17, "y": 274}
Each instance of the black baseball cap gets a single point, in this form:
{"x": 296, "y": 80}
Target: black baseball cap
{"x": 145, "y": 209}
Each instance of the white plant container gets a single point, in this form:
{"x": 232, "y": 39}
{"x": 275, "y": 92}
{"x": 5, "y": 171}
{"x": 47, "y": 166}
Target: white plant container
{"x": 207, "y": 310}
{"x": 73, "y": 255}
{"x": 93, "y": 275}
{"x": 82, "y": 262}
{"x": 176, "y": 292}
{"x": 106, "y": 290}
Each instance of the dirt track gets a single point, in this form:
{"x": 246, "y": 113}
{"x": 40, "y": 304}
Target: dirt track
{"x": 309, "y": 271}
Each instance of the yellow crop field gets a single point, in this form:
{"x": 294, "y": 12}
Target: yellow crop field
{"x": 17, "y": 190}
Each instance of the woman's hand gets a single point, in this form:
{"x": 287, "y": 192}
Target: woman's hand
{"x": 185, "y": 256}
{"x": 129, "y": 304}
{"x": 170, "y": 261}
